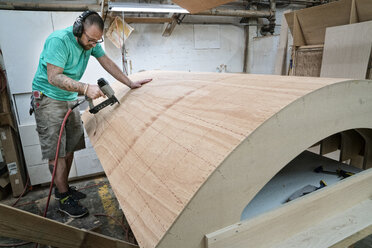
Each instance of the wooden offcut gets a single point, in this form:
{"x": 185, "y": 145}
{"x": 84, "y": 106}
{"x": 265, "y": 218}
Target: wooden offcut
{"x": 187, "y": 152}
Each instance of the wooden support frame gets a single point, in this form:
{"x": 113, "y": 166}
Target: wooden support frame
{"x": 169, "y": 27}
{"x": 329, "y": 210}
{"x": 367, "y": 135}
{"x": 330, "y": 144}
{"x": 347, "y": 242}
{"x": 19, "y": 224}
{"x": 351, "y": 148}
{"x": 104, "y": 4}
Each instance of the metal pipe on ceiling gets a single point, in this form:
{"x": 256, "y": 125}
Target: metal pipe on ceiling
{"x": 237, "y": 13}
{"x": 35, "y": 6}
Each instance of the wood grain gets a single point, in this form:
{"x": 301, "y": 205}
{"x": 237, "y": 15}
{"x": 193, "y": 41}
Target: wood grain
{"x": 179, "y": 154}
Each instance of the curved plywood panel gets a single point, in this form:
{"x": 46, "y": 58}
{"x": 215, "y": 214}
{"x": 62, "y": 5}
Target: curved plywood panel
{"x": 186, "y": 153}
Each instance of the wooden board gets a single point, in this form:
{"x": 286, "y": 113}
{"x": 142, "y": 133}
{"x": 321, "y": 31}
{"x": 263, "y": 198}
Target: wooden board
{"x": 19, "y": 224}
{"x": 314, "y": 21}
{"x": 195, "y": 6}
{"x": 281, "y": 55}
{"x": 185, "y": 153}
{"x": 323, "y": 225}
{"x": 347, "y": 51}
{"x": 364, "y": 10}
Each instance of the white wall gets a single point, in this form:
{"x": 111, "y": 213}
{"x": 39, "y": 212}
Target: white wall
{"x": 189, "y": 48}
{"x": 264, "y": 54}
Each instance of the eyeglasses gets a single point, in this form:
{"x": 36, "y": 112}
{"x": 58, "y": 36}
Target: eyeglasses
{"x": 93, "y": 41}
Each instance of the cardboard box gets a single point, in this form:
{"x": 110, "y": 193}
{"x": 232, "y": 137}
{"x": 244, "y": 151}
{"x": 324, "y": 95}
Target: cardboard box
{"x": 13, "y": 159}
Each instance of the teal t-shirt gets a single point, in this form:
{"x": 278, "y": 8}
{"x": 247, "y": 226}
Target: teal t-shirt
{"x": 61, "y": 49}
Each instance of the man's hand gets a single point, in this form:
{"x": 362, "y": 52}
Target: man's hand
{"x": 94, "y": 91}
{"x": 139, "y": 84}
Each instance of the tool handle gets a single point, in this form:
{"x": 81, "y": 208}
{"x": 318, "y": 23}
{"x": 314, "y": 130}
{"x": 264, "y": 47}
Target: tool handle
{"x": 90, "y": 101}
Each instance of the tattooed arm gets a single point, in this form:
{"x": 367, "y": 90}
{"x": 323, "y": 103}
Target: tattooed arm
{"x": 58, "y": 79}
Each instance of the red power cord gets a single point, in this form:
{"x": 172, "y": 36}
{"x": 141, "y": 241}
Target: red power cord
{"x": 56, "y": 159}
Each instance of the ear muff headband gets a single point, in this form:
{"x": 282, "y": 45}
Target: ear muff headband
{"x": 78, "y": 26}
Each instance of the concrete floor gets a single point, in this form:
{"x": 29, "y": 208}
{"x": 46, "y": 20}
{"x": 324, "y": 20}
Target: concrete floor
{"x": 100, "y": 200}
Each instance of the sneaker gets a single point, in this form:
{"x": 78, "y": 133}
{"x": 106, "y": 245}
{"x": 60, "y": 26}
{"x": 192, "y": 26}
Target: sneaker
{"x": 72, "y": 207}
{"x": 76, "y": 195}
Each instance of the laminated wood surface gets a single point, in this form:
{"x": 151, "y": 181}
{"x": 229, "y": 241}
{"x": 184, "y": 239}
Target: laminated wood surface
{"x": 180, "y": 152}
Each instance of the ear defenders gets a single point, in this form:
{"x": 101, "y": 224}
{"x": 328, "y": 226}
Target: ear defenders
{"x": 78, "y": 27}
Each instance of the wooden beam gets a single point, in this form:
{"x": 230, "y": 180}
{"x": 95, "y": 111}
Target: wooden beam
{"x": 353, "y": 13}
{"x": 169, "y": 27}
{"x": 19, "y": 224}
{"x": 332, "y": 207}
{"x": 354, "y": 238}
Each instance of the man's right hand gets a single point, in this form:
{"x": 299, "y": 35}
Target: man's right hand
{"x": 94, "y": 91}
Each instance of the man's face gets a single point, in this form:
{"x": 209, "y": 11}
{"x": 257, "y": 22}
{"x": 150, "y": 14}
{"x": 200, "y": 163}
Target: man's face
{"x": 90, "y": 37}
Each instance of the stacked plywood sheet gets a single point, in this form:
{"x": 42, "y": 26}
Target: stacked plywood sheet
{"x": 308, "y": 26}
{"x": 347, "y": 51}
{"x": 187, "y": 152}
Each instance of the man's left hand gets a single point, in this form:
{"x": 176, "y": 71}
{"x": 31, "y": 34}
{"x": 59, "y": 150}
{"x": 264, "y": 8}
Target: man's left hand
{"x": 138, "y": 84}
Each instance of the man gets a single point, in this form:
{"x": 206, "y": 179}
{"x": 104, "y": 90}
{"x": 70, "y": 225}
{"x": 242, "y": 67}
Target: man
{"x": 55, "y": 89}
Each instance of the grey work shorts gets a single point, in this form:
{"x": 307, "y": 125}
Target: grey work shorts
{"x": 49, "y": 114}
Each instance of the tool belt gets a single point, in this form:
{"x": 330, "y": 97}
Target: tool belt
{"x": 35, "y": 95}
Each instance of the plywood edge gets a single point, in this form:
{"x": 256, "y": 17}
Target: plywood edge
{"x": 300, "y": 218}
{"x": 222, "y": 198}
